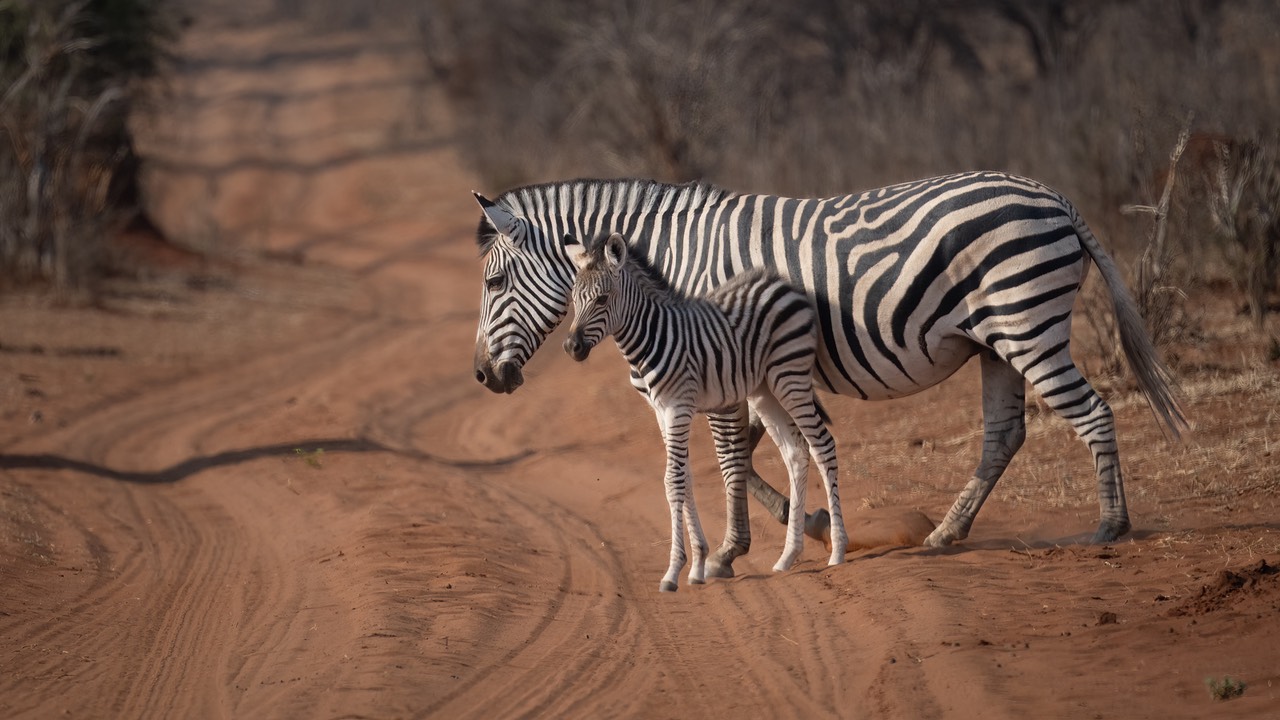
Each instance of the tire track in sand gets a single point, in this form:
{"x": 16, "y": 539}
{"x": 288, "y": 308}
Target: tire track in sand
{"x": 733, "y": 646}
{"x": 160, "y": 601}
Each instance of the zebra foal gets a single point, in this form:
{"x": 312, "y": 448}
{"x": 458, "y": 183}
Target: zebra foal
{"x": 750, "y": 341}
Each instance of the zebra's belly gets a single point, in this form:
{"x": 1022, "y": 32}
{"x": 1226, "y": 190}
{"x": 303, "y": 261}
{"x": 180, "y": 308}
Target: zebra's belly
{"x": 882, "y": 380}
{"x": 717, "y": 397}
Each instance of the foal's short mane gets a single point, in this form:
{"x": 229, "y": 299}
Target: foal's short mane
{"x": 650, "y": 279}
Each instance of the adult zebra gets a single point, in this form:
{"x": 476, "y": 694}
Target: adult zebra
{"x": 908, "y": 281}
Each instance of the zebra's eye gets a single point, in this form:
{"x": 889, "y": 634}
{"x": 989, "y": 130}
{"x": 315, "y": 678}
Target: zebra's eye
{"x": 495, "y": 282}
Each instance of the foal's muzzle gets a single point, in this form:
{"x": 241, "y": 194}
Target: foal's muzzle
{"x": 577, "y": 346}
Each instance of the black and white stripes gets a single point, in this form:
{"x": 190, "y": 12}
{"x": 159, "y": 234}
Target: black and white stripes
{"x": 749, "y": 340}
{"x": 908, "y": 282}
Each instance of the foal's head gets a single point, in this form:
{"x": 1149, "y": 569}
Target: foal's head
{"x": 600, "y": 265}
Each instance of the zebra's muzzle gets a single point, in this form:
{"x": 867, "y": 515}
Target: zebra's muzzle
{"x": 504, "y": 378}
{"x": 510, "y": 376}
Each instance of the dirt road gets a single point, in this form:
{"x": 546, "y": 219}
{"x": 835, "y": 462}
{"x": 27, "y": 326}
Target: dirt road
{"x": 274, "y": 490}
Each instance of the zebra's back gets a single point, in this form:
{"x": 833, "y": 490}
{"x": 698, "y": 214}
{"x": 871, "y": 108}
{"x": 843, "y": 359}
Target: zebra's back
{"x": 893, "y": 273}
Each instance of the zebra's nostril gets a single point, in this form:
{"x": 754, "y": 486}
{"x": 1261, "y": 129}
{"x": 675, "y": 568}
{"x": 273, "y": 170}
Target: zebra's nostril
{"x": 479, "y": 376}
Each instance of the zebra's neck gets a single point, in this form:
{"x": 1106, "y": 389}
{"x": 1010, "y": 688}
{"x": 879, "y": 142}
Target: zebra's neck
{"x": 648, "y": 213}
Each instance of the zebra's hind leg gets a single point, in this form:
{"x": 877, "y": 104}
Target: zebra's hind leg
{"x": 1071, "y": 397}
{"x": 795, "y": 452}
{"x": 1004, "y": 430}
{"x": 816, "y": 526}
{"x": 731, "y": 432}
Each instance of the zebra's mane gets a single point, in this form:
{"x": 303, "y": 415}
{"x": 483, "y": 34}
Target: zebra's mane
{"x": 651, "y": 281}
{"x": 636, "y": 194}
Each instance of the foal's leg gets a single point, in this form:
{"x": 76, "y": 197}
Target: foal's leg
{"x": 675, "y": 435}
{"x": 697, "y": 541}
{"x": 731, "y": 431}
{"x": 776, "y": 503}
{"x": 795, "y": 453}
{"x": 800, "y": 403}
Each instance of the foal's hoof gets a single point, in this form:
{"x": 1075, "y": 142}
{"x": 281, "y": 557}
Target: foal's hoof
{"x": 666, "y": 586}
{"x": 818, "y": 526}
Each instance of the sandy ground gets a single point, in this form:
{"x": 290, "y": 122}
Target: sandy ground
{"x": 272, "y": 488}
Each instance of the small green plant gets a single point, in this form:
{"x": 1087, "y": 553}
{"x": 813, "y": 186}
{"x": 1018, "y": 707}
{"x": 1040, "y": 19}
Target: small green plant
{"x": 1224, "y": 689}
{"x": 312, "y": 457}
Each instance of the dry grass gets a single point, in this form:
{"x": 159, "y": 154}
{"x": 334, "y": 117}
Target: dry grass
{"x": 67, "y": 72}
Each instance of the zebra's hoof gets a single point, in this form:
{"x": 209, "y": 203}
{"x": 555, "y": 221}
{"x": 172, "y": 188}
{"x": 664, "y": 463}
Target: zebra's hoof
{"x": 666, "y": 586}
{"x": 1110, "y": 531}
{"x": 942, "y": 536}
{"x": 719, "y": 570}
{"x": 818, "y": 526}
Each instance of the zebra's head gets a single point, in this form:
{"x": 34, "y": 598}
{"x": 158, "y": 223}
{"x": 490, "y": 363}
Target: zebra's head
{"x": 598, "y": 269}
{"x": 525, "y": 295}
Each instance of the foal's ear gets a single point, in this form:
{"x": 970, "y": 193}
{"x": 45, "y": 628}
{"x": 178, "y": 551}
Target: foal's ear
{"x": 577, "y": 251}
{"x": 615, "y": 251}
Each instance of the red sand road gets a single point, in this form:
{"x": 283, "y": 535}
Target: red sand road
{"x": 173, "y": 544}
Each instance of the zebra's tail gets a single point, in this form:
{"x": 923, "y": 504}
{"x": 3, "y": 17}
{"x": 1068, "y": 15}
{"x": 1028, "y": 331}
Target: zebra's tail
{"x": 1154, "y": 379}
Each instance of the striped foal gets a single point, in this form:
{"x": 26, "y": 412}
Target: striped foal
{"x": 749, "y": 342}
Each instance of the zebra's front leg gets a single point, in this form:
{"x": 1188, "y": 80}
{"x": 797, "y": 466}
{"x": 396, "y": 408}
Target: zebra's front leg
{"x": 816, "y": 526}
{"x": 1004, "y": 430}
{"x": 731, "y": 432}
{"x": 675, "y": 434}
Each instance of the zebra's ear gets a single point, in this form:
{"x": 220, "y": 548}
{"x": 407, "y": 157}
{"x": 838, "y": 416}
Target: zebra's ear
{"x": 577, "y": 251}
{"x": 503, "y": 221}
{"x": 615, "y": 251}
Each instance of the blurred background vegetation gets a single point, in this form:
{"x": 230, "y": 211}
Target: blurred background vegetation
{"x": 69, "y": 74}
{"x": 822, "y": 97}
{"x": 806, "y": 97}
